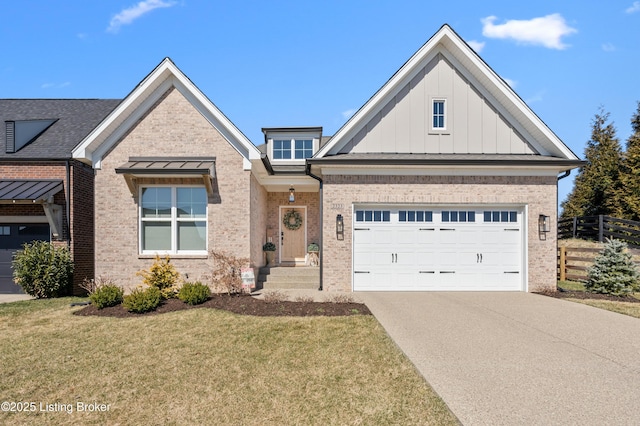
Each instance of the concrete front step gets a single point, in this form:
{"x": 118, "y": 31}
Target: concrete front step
{"x": 289, "y": 278}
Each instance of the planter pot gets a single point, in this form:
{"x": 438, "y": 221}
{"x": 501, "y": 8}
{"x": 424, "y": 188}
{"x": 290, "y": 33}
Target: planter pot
{"x": 270, "y": 256}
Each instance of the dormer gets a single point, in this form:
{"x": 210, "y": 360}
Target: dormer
{"x": 291, "y": 145}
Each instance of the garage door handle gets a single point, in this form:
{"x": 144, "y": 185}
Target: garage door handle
{"x": 427, "y": 229}
{"x": 511, "y": 229}
{"x": 447, "y": 272}
{"x": 426, "y": 272}
{"x": 447, "y": 229}
{"x": 361, "y": 272}
{"x": 361, "y": 229}
{"x": 511, "y": 272}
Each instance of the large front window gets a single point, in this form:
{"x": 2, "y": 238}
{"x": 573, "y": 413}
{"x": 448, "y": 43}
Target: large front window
{"x": 173, "y": 220}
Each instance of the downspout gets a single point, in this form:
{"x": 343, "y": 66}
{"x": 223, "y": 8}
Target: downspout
{"x": 564, "y": 175}
{"x": 68, "y": 201}
{"x": 319, "y": 179}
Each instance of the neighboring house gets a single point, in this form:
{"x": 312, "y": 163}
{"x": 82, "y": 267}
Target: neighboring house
{"x": 443, "y": 180}
{"x": 44, "y": 193}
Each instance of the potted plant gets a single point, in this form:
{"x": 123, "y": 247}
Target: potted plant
{"x": 312, "y": 257}
{"x": 270, "y": 251}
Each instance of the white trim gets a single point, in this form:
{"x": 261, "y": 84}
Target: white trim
{"x": 469, "y": 63}
{"x": 304, "y": 224}
{"x": 445, "y": 115}
{"x": 104, "y": 136}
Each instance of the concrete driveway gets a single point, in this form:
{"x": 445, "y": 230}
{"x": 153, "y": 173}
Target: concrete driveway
{"x": 518, "y": 358}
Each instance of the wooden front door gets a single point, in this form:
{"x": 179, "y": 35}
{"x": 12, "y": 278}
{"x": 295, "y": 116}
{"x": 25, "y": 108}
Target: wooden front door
{"x": 293, "y": 241}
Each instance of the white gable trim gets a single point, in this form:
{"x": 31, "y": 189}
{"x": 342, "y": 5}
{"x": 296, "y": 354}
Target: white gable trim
{"x": 478, "y": 73}
{"x": 166, "y": 75}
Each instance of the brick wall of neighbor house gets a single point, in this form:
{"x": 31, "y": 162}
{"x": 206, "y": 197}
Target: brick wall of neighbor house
{"x": 538, "y": 193}
{"x": 79, "y": 235}
{"x": 172, "y": 127}
{"x": 258, "y": 212}
{"x": 309, "y": 199}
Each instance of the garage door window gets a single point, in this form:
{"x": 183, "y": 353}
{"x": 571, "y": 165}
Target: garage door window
{"x": 500, "y": 216}
{"x": 415, "y": 216}
{"x": 373, "y": 215}
{"x": 458, "y": 216}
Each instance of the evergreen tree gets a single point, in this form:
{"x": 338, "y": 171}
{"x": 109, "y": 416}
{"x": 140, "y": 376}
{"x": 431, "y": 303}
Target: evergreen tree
{"x": 629, "y": 192}
{"x": 597, "y": 184}
{"x": 613, "y": 271}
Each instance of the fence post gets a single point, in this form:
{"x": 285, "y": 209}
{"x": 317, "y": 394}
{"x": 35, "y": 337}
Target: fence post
{"x": 575, "y": 226}
{"x": 563, "y": 263}
{"x": 600, "y": 228}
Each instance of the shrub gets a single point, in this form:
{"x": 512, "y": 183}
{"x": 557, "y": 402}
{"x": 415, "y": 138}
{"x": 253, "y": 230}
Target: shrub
{"x": 269, "y": 246}
{"x": 43, "y": 270}
{"x": 613, "y": 271}
{"x": 106, "y": 295}
{"x": 194, "y": 293}
{"x": 143, "y": 300}
{"x": 227, "y": 273}
{"x": 163, "y": 276}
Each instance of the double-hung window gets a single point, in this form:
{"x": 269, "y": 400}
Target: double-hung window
{"x": 173, "y": 220}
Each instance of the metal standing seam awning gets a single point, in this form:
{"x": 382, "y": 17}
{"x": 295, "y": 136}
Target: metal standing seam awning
{"x": 159, "y": 167}
{"x": 30, "y": 191}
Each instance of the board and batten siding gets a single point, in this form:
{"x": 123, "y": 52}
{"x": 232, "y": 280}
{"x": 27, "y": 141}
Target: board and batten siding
{"x": 473, "y": 125}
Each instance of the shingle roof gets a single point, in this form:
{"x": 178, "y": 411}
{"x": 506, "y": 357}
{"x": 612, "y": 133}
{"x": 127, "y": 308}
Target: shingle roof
{"x": 76, "y": 118}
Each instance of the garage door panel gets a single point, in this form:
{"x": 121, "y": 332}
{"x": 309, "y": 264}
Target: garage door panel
{"x": 432, "y": 255}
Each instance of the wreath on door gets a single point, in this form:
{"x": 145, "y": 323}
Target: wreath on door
{"x": 292, "y": 220}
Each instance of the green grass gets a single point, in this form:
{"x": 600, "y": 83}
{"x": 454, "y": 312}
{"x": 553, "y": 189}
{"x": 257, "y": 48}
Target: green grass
{"x": 626, "y": 308}
{"x": 204, "y": 366}
{"x": 571, "y": 285}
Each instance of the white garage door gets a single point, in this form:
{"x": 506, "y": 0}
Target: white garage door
{"x": 443, "y": 249}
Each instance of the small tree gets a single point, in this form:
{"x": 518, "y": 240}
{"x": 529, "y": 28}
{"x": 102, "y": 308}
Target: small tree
{"x": 613, "y": 271}
{"x": 43, "y": 270}
{"x": 162, "y": 275}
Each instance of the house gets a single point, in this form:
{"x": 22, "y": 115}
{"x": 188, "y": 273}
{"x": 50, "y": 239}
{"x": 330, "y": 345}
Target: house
{"x": 444, "y": 180}
{"x": 44, "y": 193}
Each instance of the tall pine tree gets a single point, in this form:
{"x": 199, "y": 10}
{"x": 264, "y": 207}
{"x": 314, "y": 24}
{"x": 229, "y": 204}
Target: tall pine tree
{"x": 629, "y": 192}
{"x": 596, "y": 188}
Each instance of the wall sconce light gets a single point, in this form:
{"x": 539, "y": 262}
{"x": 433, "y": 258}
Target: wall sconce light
{"x": 292, "y": 194}
{"x": 543, "y": 226}
{"x": 339, "y": 227}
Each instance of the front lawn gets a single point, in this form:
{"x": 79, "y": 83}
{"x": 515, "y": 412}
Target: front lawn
{"x": 205, "y": 366}
{"x": 619, "y": 306}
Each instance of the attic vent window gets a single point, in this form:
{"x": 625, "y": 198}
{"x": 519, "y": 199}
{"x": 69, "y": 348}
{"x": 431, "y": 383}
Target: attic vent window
{"x": 439, "y": 114}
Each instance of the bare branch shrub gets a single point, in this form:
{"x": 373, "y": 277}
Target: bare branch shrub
{"x": 227, "y": 273}
{"x": 91, "y": 285}
{"x": 303, "y": 299}
{"x": 274, "y": 296}
{"x": 340, "y": 298}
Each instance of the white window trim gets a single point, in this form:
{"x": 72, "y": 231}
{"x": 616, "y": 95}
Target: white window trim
{"x": 443, "y": 129}
{"x": 272, "y": 138}
{"x": 174, "y": 221}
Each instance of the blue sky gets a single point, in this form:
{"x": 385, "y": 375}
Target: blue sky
{"x": 303, "y": 63}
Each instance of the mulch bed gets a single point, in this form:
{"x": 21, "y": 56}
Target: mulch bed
{"x": 242, "y": 304}
{"x": 584, "y": 295}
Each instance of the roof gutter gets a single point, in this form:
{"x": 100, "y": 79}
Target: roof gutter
{"x": 307, "y": 171}
{"x": 565, "y": 174}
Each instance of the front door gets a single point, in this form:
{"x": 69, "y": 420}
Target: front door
{"x": 293, "y": 234}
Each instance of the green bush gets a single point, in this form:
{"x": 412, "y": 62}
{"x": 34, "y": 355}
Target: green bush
{"x": 163, "y": 276}
{"x": 106, "y": 295}
{"x": 613, "y": 271}
{"x": 43, "y": 270}
{"x": 142, "y": 300}
{"x": 194, "y": 293}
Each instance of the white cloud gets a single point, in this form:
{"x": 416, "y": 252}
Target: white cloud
{"x": 635, "y": 7}
{"x": 127, "y": 16}
{"x": 546, "y": 31}
{"x": 511, "y": 83}
{"x": 348, "y": 113}
{"x": 476, "y": 45}
{"x": 55, "y": 85}
{"x": 608, "y": 47}
{"x": 538, "y": 97}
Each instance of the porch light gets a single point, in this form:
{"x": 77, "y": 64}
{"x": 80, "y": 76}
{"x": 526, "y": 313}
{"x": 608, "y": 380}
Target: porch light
{"x": 543, "y": 225}
{"x": 339, "y": 227}
{"x": 292, "y": 194}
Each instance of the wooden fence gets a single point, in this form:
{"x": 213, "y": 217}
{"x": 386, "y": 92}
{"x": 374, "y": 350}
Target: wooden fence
{"x": 600, "y": 227}
{"x": 573, "y": 262}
